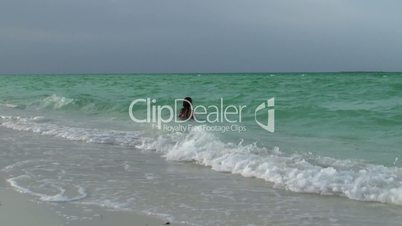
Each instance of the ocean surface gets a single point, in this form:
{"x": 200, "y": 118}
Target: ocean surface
{"x": 334, "y": 158}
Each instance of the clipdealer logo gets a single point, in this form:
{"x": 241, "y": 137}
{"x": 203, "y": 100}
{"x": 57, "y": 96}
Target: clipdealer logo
{"x": 220, "y": 117}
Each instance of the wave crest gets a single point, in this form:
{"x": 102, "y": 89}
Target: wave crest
{"x": 41, "y": 126}
{"x": 56, "y": 102}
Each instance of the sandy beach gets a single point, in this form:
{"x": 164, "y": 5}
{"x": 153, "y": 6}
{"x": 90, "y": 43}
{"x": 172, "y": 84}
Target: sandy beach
{"x": 17, "y": 209}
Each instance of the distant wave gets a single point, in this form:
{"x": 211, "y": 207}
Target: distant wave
{"x": 9, "y": 105}
{"x": 56, "y": 102}
{"x": 83, "y": 103}
{"x": 42, "y": 126}
{"x": 304, "y": 173}
{"x": 53, "y": 101}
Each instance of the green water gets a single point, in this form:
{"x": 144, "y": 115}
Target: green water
{"x": 343, "y": 115}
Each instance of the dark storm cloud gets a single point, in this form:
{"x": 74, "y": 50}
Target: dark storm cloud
{"x": 74, "y": 36}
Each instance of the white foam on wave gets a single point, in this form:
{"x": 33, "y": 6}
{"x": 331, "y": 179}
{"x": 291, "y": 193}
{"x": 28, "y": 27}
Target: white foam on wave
{"x": 42, "y": 126}
{"x": 9, "y": 105}
{"x": 59, "y": 197}
{"x": 298, "y": 173}
{"x": 56, "y": 102}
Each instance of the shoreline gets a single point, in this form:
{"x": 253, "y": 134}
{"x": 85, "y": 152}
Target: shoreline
{"x": 16, "y": 209}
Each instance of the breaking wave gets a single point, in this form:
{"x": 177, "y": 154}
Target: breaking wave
{"x": 305, "y": 173}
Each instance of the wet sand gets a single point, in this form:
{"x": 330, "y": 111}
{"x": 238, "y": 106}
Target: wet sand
{"x": 17, "y": 209}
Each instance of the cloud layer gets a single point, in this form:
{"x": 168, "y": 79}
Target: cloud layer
{"x": 104, "y": 36}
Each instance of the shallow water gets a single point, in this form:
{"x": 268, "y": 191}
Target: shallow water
{"x": 120, "y": 178}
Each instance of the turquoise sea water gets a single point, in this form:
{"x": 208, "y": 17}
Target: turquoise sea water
{"x": 336, "y": 134}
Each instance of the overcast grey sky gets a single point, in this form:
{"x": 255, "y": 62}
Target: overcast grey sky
{"x": 94, "y": 36}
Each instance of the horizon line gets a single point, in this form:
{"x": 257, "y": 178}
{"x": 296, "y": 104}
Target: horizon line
{"x": 182, "y": 73}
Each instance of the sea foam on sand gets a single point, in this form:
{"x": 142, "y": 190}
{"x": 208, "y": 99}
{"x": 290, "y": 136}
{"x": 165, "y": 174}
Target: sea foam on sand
{"x": 18, "y": 210}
